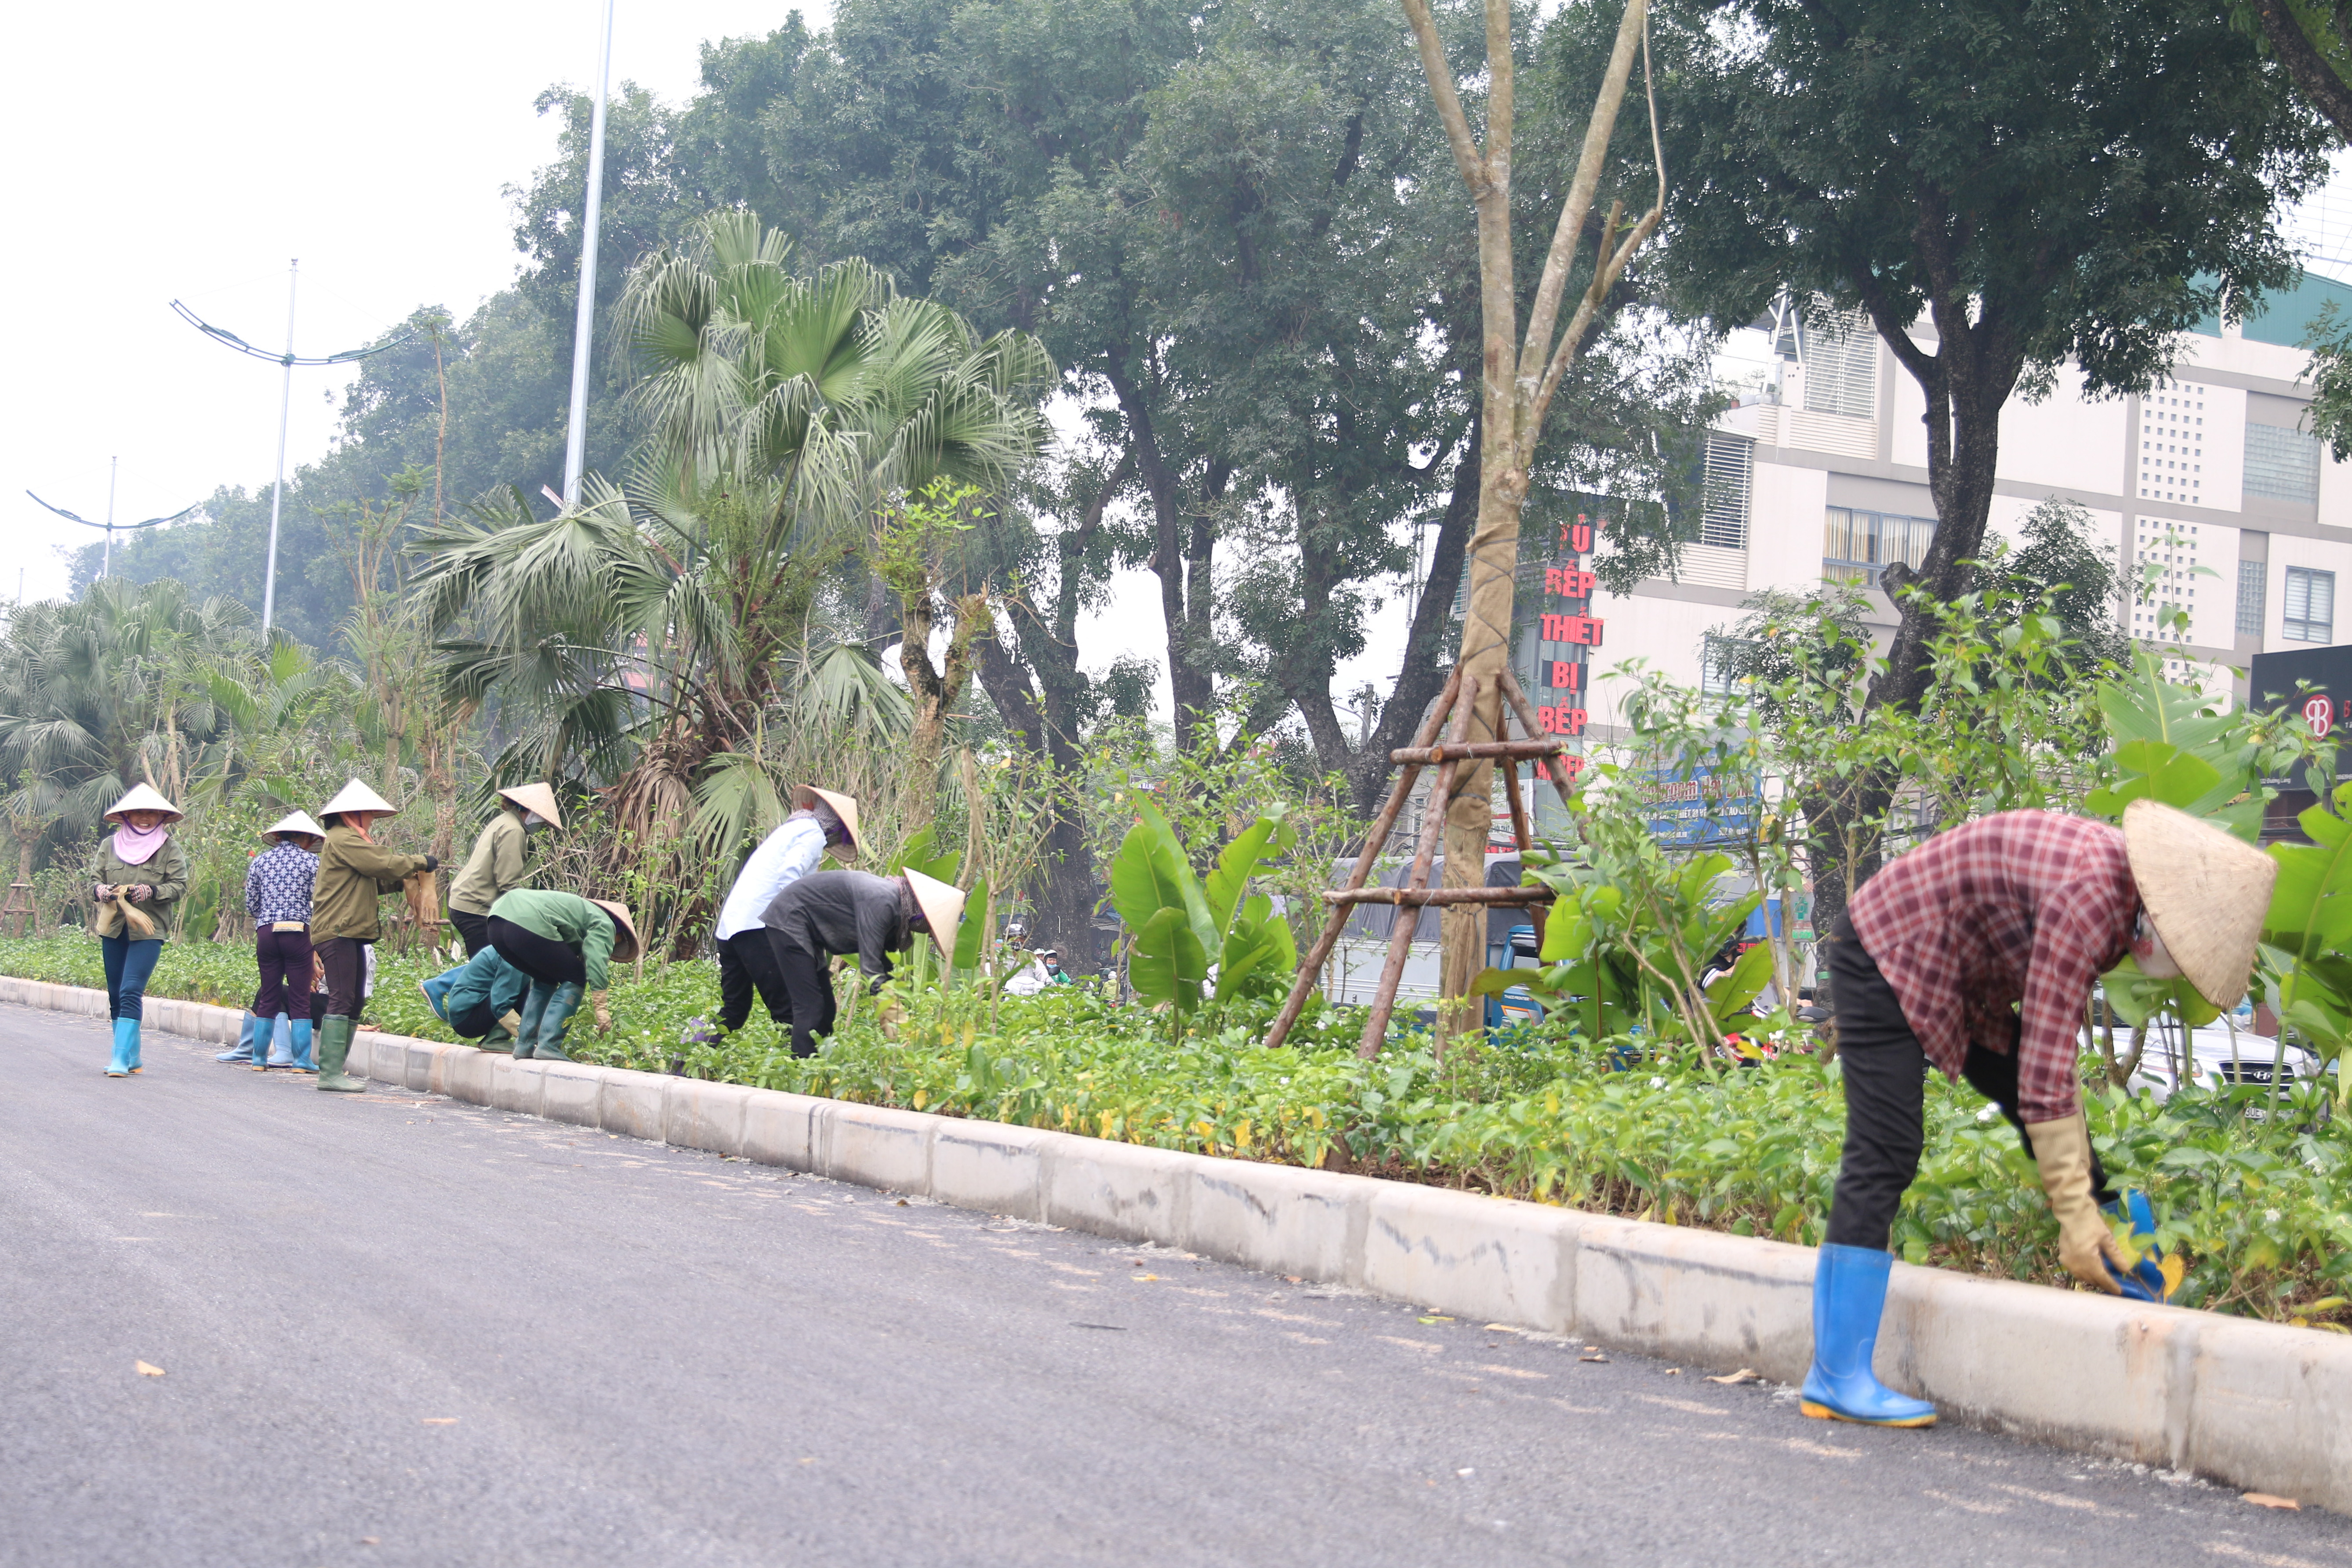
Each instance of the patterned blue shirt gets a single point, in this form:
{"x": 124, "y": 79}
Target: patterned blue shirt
{"x": 278, "y": 885}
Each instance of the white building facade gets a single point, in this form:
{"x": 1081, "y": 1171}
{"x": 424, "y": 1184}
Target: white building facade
{"x": 1824, "y": 475}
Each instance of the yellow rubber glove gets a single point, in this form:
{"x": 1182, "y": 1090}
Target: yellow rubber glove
{"x": 2086, "y": 1244}
{"x": 604, "y": 1014}
{"x": 511, "y": 1023}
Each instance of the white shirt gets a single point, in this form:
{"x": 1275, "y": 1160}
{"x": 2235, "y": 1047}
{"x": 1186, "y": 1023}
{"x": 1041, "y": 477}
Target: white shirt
{"x": 784, "y": 857}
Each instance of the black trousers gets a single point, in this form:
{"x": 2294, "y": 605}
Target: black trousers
{"x": 344, "y": 958}
{"x": 472, "y": 928}
{"x": 474, "y": 1022}
{"x": 793, "y": 983}
{"x": 749, "y": 962}
{"x": 1886, "y": 1071}
{"x": 284, "y": 960}
{"x": 547, "y": 962}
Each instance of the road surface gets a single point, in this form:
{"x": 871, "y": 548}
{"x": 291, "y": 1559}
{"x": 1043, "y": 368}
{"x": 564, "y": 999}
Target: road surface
{"x": 397, "y": 1330}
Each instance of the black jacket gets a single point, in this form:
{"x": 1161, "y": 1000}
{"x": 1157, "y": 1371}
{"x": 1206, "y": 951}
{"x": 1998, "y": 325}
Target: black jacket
{"x": 827, "y": 912}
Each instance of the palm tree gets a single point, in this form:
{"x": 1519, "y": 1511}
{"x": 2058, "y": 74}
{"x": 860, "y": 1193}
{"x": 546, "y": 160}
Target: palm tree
{"x": 111, "y": 691}
{"x": 645, "y": 633}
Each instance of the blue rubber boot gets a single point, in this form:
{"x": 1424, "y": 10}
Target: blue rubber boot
{"x": 281, "y": 1045}
{"x": 298, "y": 1038}
{"x": 2156, "y": 1276}
{"x": 534, "y": 1005}
{"x": 436, "y": 990}
{"x": 552, "y": 1020}
{"x": 1849, "y": 1295}
{"x": 125, "y": 1060}
{"x": 244, "y": 1052}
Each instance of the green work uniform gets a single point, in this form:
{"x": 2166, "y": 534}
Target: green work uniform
{"x": 352, "y": 874}
{"x": 166, "y": 871}
{"x": 566, "y": 918}
{"x": 495, "y": 869}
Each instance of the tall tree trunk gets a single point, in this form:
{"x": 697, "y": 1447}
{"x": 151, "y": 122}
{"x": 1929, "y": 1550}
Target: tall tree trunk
{"x": 1519, "y": 380}
{"x": 1183, "y": 547}
{"x": 1040, "y": 692}
{"x": 935, "y": 689}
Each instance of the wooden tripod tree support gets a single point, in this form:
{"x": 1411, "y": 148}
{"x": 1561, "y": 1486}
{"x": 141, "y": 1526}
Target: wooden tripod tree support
{"x": 1459, "y": 701}
{"x": 19, "y": 912}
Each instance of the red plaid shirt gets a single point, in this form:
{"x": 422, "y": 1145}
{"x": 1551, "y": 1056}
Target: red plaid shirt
{"x": 1995, "y": 932}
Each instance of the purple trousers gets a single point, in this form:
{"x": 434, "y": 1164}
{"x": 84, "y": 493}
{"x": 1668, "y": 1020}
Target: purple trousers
{"x": 284, "y": 957}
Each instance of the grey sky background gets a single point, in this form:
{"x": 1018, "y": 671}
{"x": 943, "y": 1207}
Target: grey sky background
{"x": 188, "y": 151}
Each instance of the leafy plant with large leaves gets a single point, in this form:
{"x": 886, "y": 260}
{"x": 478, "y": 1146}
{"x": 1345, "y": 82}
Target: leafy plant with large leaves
{"x": 1180, "y": 924}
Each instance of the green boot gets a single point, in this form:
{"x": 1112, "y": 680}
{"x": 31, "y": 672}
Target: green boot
{"x": 534, "y": 1003}
{"x": 551, "y": 1023}
{"x": 334, "y": 1047}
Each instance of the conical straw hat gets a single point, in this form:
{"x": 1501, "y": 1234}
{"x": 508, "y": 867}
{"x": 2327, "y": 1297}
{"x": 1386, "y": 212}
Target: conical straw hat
{"x": 844, "y": 807}
{"x": 943, "y": 906}
{"x": 143, "y": 797}
{"x": 294, "y": 821}
{"x": 536, "y": 798}
{"x": 356, "y": 796}
{"x": 627, "y": 937}
{"x": 2206, "y": 892}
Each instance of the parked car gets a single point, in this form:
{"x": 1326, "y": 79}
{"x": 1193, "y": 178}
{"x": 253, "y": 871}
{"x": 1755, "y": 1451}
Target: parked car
{"x": 2213, "y": 1058}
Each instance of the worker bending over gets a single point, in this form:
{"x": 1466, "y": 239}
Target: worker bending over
{"x": 1978, "y": 952}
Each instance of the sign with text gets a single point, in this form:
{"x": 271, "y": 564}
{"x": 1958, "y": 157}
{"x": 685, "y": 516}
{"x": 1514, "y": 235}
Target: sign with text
{"x": 1567, "y": 633}
{"x": 1693, "y": 808}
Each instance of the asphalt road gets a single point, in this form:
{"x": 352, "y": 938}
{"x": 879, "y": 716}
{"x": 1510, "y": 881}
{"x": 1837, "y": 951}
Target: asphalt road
{"x": 394, "y": 1329}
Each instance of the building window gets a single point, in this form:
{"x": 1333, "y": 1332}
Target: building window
{"x": 2282, "y": 463}
{"x": 1842, "y": 367}
{"x": 2310, "y": 607}
{"x": 2251, "y": 585}
{"x": 1730, "y": 475}
{"x": 1721, "y": 659}
{"x": 1863, "y": 544}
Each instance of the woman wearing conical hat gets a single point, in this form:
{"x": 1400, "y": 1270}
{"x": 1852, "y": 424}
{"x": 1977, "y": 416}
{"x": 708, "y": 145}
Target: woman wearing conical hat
{"x": 829, "y": 912}
{"x": 1977, "y": 952}
{"x": 278, "y": 887}
{"x": 496, "y": 868}
{"x": 567, "y": 944}
{"x": 139, "y": 873}
{"x": 746, "y": 933}
{"x": 354, "y": 873}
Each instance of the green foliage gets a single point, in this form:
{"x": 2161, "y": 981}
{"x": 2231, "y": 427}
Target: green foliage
{"x": 1179, "y": 927}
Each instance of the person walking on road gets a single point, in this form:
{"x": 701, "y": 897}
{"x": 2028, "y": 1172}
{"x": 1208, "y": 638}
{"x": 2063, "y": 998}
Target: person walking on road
{"x": 745, "y": 936}
{"x": 278, "y": 887}
{"x": 829, "y": 912}
{"x": 497, "y": 867}
{"x": 1977, "y": 951}
{"x": 567, "y": 944}
{"x": 354, "y": 872}
{"x": 137, "y": 875}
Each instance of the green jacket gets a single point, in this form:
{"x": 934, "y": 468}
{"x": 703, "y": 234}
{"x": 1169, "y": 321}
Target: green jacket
{"x": 495, "y": 868}
{"x": 166, "y": 871}
{"x": 352, "y": 874}
{"x": 566, "y": 918}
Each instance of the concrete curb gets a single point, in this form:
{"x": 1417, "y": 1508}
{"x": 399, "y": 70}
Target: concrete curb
{"x": 2254, "y": 1405}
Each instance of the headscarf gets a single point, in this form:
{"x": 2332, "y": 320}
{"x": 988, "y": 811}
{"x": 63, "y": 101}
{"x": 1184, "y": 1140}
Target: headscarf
{"x": 133, "y": 848}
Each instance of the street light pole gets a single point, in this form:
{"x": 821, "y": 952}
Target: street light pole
{"x": 278, "y": 490}
{"x": 576, "y": 434}
{"x": 289, "y": 360}
{"x": 106, "y": 564}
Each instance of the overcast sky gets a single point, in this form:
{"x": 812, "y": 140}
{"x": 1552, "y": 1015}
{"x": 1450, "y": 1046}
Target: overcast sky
{"x": 188, "y": 151}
